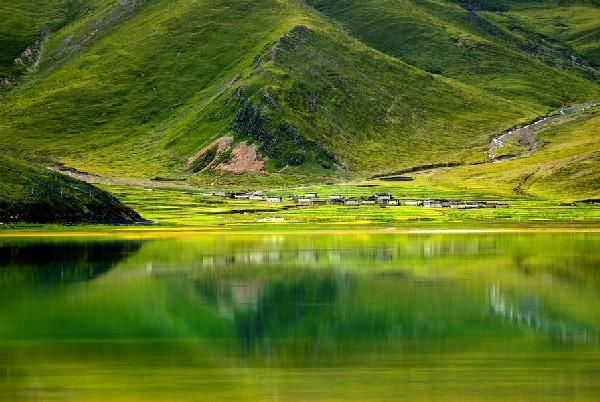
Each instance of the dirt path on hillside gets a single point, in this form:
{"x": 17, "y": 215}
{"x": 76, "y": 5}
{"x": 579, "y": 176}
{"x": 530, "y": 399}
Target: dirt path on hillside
{"x": 124, "y": 181}
{"x": 526, "y": 136}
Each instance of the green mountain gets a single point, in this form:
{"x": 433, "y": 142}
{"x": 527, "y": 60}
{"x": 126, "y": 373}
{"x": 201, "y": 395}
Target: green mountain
{"x": 318, "y": 88}
{"x": 33, "y": 194}
{"x": 566, "y": 167}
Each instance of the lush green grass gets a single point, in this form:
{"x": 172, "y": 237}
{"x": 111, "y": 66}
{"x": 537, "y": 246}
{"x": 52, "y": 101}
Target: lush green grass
{"x": 330, "y": 92}
{"x": 506, "y": 5}
{"x": 184, "y": 208}
{"x": 33, "y": 194}
{"x": 536, "y": 186}
{"x": 566, "y": 168}
{"x": 25, "y": 24}
{"x": 136, "y": 90}
{"x": 21, "y": 23}
{"x": 107, "y": 107}
{"x": 563, "y": 170}
{"x": 445, "y": 39}
{"x": 363, "y": 112}
{"x": 575, "y": 26}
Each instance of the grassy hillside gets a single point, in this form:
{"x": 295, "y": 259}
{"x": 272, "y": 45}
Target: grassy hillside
{"x": 22, "y": 23}
{"x": 113, "y": 99}
{"x": 575, "y": 27}
{"x": 328, "y": 90}
{"x": 567, "y": 167}
{"x": 357, "y": 104}
{"x": 446, "y": 39}
{"x": 32, "y": 194}
{"x": 25, "y": 28}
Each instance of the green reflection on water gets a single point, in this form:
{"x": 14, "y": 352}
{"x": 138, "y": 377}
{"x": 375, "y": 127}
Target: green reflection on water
{"x": 299, "y": 317}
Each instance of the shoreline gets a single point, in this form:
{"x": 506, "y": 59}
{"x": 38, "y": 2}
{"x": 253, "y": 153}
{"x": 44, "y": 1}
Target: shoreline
{"x": 191, "y": 231}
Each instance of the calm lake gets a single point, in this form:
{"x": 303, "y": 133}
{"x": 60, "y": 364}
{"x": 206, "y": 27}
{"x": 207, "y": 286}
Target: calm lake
{"x": 381, "y": 317}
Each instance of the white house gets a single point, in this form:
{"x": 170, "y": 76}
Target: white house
{"x": 432, "y": 204}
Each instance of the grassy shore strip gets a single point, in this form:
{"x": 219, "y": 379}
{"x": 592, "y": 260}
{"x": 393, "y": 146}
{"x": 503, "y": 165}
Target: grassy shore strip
{"x": 174, "y": 232}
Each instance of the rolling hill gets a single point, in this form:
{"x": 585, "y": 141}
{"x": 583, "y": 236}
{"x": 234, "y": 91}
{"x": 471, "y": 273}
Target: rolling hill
{"x": 566, "y": 167}
{"x": 322, "y": 89}
{"x": 33, "y": 194}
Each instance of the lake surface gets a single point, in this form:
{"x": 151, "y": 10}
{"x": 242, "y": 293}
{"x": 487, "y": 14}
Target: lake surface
{"x": 432, "y": 317}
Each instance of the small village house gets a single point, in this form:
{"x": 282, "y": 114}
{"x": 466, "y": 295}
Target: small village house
{"x": 432, "y": 204}
{"x": 384, "y": 196}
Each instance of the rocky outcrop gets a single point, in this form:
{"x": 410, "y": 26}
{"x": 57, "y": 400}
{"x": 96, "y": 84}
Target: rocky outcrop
{"x": 224, "y": 155}
{"x": 29, "y": 59}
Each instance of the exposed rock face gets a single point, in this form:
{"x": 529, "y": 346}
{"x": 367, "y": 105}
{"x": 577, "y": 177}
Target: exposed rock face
{"x": 277, "y": 139}
{"x": 219, "y": 145}
{"x": 30, "y": 57}
{"x": 244, "y": 159}
{"x": 223, "y": 155}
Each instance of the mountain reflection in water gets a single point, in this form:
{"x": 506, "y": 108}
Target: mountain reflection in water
{"x": 417, "y": 317}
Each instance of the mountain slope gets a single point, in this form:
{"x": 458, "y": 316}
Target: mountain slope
{"x": 26, "y": 26}
{"x": 32, "y": 194}
{"x": 574, "y": 26}
{"x": 330, "y": 89}
{"x": 567, "y": 167}
{"x": 112, "y": 95}
{"x": 446, "y": 39}
{"x": 22, "y": 25}
{"x": 360, "y": 104}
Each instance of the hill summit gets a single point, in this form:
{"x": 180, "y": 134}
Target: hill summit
{"x": 318, "y": 88}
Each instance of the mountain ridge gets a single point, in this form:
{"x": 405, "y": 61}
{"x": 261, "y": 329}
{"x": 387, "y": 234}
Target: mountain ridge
{"x": 324, "y": 89}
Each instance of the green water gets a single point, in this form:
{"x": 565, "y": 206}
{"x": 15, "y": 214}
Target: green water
{"x": 445, "y": 317}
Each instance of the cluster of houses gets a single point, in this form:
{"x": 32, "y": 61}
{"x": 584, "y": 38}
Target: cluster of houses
{"x": 381, "y": 199}
{"x": 249, "y": 195}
